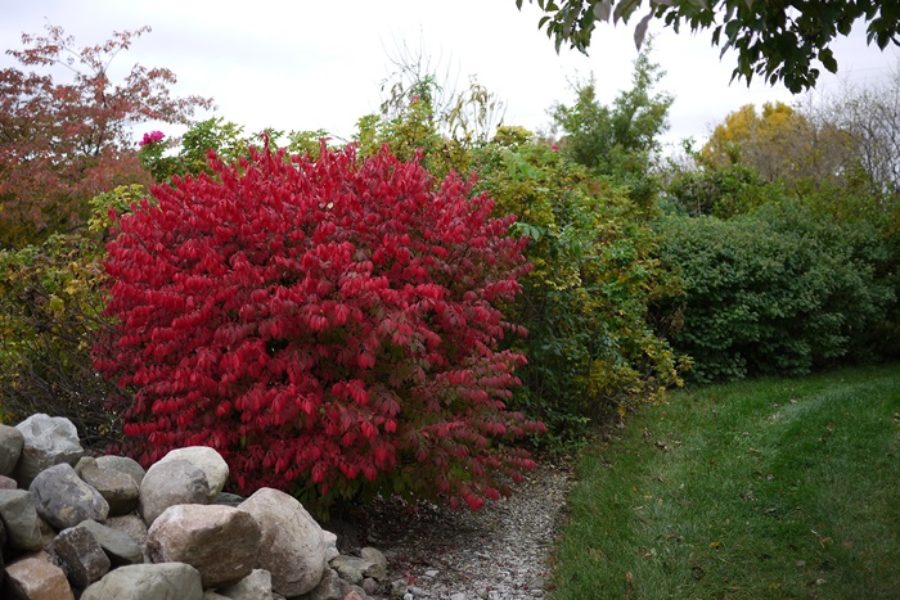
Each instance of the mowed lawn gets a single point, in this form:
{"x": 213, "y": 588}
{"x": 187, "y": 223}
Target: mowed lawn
{"x": 769, "y": 488}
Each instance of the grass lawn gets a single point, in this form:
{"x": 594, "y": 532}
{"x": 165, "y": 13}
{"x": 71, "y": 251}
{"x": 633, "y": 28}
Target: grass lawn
{"x": 770, "y": 488}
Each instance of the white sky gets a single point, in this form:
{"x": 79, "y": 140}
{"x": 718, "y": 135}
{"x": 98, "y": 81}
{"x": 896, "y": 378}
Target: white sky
{"x": 306, "y": 64}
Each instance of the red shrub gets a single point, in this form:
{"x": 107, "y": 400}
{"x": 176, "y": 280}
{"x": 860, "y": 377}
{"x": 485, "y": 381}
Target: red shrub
{"x": 321, "y": 323}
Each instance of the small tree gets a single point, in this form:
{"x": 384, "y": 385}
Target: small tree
{"x": 61, "y": 143}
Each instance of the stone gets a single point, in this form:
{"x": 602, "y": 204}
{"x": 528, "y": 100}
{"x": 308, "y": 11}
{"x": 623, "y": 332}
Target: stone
{"x": 11, "y": 442}
{"x": 8, "y": 483}
{"x": 37, "y": 578}
{"x": 207, "y": 460}
{"x": 165, "y": 581}
{"x": 292, "y": 548}
{"x": 331, "y": 549}
{"x": 48, "y": 441}
{"x": 227, "y": 499}
{"x": 121, "y": 548}
{"x": 77, "y": 551}
{"x": 122, "y": 464}
{"x": 132, "y": 525}
{"x": 355, "y": 593}
{"x": 369, "y": 585}
{"x": 221, "y": 542}
{"x": 211, "y": 595}
{"x": 48, "y": 533}
{"x": 370, "y": 563}
{"x": 20, "y": 519}
{"x": 169, "y": 483}
{"x": 118, "y": 489}
{"x": 64, "y": 500}
{"x": 377, "y": 563}
{"x": 398, "y": 588}
{"x": 350, "y": 568}
{"x": 330, "y": 587}
{"x": 255, "y": 586}
{"x": 458, "y": 596}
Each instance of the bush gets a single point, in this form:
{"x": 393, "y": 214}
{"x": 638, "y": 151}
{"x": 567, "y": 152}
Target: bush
{"x": 51, "y": 302}
{"x": 784, "y": 290}
{"x": 591, "y": 346}
{"x": 330, "y": 326}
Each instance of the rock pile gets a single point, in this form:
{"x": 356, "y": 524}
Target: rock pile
{"x": 73, "y": 526}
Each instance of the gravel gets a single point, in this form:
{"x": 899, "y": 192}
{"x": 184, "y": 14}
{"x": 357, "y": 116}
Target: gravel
{"x": 498, "y": 553}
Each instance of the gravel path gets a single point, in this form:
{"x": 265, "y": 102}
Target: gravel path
{"x": 498, "y": 553}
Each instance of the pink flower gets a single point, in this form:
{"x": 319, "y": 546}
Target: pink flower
{"x": 554, "y": 147}
{"x": 152, "y": 137}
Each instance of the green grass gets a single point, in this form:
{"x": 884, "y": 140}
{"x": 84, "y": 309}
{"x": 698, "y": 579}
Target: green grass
{"x": 770, "y": 488}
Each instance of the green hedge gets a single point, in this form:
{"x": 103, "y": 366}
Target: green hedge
{"x": 784, "y": 289}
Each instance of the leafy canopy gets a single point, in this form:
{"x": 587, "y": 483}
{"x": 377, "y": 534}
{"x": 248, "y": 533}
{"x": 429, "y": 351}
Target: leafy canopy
{"x": 776, "y": 40}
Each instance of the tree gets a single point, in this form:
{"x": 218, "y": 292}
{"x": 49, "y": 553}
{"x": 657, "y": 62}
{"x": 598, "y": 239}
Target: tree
{"x": 618, "y": 140}
{"x": 776, "y": 40}
{"x": 781, "y": 143}
{"x": 61, "y": 143}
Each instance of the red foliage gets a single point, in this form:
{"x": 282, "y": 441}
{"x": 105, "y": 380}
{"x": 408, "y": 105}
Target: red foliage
{"x": 62, "y": 143}
{"x": 322, "y": 323}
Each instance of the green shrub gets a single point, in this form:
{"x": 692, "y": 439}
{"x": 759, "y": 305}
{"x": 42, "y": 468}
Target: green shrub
{"x": 784, "y": 289}
{"x": 591, "y": 348}
{"x": 51, "y": 307}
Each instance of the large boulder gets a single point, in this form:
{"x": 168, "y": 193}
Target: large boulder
{"x": 77, "y": 551}
{"x": 166, "y": 581}
{"x": 20, "y": 518}
{"x": 132, "y": 525}
{"x": 37, "y": 578}
{"x": 47, "y": 441}
{"x": 121, "y": 548}
{"x": 122, "y": 464}
{"x": 207, "y": 460}
{"x": 118, "y": 489}
{"x": 64, "y": 500}
{"x": 293, "y": 547}
{"x": 11, "y": 442}
{"x": 169, "y": 483}
{"x": 255, "y": 586}
{"x": 221, "y": 542}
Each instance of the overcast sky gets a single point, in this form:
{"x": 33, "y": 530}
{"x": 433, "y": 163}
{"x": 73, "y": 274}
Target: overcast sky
{"x": 309, "y": 65}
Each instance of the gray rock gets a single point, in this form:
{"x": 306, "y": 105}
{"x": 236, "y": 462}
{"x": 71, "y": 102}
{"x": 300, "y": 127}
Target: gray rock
{"x": 458, "y": 596}
{"x": 166, "y": 581}
{"x": 169, "y": 483}
{"x": 293, "y": 547}
{"x": 20, "y": 518}
{"x": 11, "y": 442}
{"x": 226, "y": 499}
{"x": 398, "y": 588}
{"x": 121, "y": 548}
{"x": 377, "y": 563}
{"x": 64, "y": 500}
{"x": 122, "y": 464}
{"x": 211, "y": 595}
{"x": 221, "y": 542}
{"x": 35, "y": 577}
{"x": 8, "y": 483}
{"x": 370, "y": 585}
{"x": 330, "y": 587}
{"x": 117, "y": 488}
{"x": 48, "y": 533}
{"x": 48, "y": 441}
{"x": 331, "y": 549}
{"x": 207, "y": 460}
{"x": 350, "y": 568}
{"x": 80, "y": 555}
{"x": 370, "y": 563}
{"x": 255, "y": 586}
